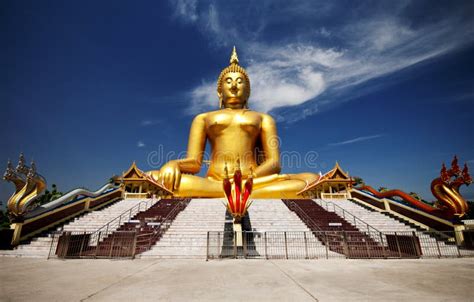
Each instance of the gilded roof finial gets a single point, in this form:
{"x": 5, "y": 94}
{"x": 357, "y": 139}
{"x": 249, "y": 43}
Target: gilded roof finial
{"x": 234, "y": 59}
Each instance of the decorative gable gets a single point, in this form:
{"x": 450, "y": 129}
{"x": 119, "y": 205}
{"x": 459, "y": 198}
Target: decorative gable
{"x": 133, "y": 172}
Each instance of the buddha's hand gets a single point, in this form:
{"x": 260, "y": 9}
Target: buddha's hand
{"x": 170, "y": 175}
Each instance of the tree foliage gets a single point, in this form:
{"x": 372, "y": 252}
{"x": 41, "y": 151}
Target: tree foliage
{"x": 49, "y": 195}
{"x": 415, "y": 195}
{"x": 4, "y": 221}
{"x": 358, "y": 181}
{"x": 470, "y": 211}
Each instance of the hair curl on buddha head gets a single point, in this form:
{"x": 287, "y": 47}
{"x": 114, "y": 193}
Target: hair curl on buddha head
{"x": 233, "y": 67}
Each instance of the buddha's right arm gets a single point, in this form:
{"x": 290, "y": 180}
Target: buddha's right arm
{"x": 196, "y": 145}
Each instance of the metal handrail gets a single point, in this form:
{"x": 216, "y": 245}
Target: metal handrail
{"x": 165, "y": 223}
{"x": 402, "y": 216}
{"x": 299, "y": 211}
{"x": 344, "y": 213}
{"x": 108, "y": 226}
{"x": 99, "y": 234}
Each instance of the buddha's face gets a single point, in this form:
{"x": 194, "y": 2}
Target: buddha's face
{"x": 234, "y": 90}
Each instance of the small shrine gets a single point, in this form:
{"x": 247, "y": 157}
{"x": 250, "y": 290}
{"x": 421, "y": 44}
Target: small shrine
{"x": 335, "y": 184}
{"x": 138, "y": 184}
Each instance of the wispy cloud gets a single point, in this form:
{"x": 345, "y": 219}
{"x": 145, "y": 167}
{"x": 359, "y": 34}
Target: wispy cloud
{"x": 320, "y": 63}
{"x": 186, "y": 10}
{"x": 150, "y": 122}
{"x": 356, "y": 140}
{"x": 463, "y": 97}
{"x": 140, "y": 144}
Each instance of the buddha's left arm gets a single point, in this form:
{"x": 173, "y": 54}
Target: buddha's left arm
{"x": 271, "y": 148}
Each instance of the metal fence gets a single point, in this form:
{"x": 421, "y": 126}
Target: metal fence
{"x": 270, "y": 245}
{"x": 338, "y": 244}
{"x": 108, "y": 242}
{"x": 68, "y": 245}
{"x": 78, "y": 244}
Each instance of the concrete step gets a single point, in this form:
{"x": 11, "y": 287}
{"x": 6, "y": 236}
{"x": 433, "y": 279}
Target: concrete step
{"x": 384, "y": 223}
{"x": 39, "y": 247}
{"x": 188, "y": 233}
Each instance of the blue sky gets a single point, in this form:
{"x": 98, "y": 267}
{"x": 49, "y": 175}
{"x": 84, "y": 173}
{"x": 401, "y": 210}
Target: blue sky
{"x": 384, "y": 87}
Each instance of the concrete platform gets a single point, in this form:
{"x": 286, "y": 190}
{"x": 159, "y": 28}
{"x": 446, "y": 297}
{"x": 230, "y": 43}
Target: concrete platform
{"x": 24, "y": 279}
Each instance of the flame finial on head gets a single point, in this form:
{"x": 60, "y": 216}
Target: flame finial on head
{"x": 234, "y": 59}
{"x": 233, "y": 67}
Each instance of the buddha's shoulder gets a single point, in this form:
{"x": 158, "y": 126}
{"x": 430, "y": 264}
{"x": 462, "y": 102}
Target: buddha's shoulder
{"x": 201, "y": 116}
{"x": 266, "y": 116}
{"x": 249, "y": 113}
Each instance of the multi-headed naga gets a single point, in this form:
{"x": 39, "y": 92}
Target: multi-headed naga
{"x": 28, "y": 186}
{"x": 450, "y": 203}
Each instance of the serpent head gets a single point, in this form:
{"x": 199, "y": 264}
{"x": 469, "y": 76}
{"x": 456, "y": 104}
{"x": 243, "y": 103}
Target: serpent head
{"x": 466, "y": 176}
{"x": 9, "y": 172}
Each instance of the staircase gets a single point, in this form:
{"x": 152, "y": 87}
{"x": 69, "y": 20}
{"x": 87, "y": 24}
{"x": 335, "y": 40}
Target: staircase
{"x": 39, "y": 247}
{"x": 187, "y": 236}
{"x": 341, "y": 236}
{"x": 271, "y": 215}
{"x": 276, "y": 223}
{"x": 385, "y": 224}
{"x": 149, "y": 226}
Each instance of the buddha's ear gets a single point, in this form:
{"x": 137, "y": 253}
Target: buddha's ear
{"x": 220, "y": 99}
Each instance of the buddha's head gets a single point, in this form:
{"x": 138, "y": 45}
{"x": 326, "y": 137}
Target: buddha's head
{"x": 233, "y": 85}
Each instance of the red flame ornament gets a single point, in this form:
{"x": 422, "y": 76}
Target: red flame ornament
{"x": 237, "y": 199}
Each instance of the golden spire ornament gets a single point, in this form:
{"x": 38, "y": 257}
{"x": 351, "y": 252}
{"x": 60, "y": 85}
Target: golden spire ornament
{"x": 233, "y": 67}
{"x": 234, "y": 59}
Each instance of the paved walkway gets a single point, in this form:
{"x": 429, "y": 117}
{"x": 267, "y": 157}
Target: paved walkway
{"x": 236, "y": 280}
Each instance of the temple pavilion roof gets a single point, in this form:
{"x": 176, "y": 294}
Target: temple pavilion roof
{"x": 134, "y": 174}
{"x": 334, "y": 176}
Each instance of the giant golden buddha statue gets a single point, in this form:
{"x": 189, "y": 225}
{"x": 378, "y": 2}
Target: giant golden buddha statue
{"x": 235, "y": 133}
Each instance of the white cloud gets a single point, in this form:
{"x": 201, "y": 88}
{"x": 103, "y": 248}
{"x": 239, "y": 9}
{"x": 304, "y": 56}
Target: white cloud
{"x": 186, "y": 10}
{"x": 140, "y": 144}
{"x": 204, "y": 97}
{"x": 287, "y": 77}
{"x": 298, "y": 69}
{"x": 356, "y": 140}
{"x": 324, "y": 32}
{"x": 149, "y": 122}
{"x": 274, "y": 89}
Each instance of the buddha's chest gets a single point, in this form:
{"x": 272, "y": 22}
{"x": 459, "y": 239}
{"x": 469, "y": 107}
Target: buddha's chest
{"x": 241, "y": 123}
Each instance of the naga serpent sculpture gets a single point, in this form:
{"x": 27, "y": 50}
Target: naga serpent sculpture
{"x": 449, "y": 204}
{"x": 28, "y": 186}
